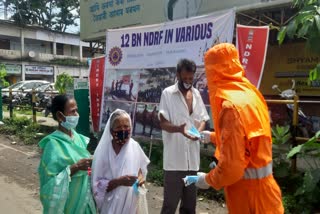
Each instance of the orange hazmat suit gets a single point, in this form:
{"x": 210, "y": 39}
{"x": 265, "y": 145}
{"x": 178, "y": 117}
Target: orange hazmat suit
{"x": 242, "y": 137}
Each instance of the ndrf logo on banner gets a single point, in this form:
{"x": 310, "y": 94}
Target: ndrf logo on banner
{"x": 115, "y": 56}
{"x": 252, "y": 43}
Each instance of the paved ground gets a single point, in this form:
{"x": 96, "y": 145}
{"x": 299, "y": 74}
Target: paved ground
{"x": 19, "y": 183}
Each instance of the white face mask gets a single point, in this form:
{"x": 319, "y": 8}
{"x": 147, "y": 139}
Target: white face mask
{"x": 71, "y": 122}
{"x": 184, "y": 86}
{"x": 187, "y": 86}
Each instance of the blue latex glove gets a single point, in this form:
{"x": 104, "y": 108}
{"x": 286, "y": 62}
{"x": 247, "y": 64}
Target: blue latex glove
{"x": 212, "y": 165}
{"x": 191, "y": 179}
{"x": 135, "y": 187}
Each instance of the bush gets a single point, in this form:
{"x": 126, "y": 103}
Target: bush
{"x": 290, "y": 204}
{"x": 308, "y": 193}
{"x": 63, "y": 82}
{"x": 155, "y": 171}
{"x": 29, "y": 134}
{"x": 68, "y": 62}
{"x": 155, "y": 176}
{"x": 302, "y": 190}
{"x": 23, "y": 128}
{"x": 3, "y": 73}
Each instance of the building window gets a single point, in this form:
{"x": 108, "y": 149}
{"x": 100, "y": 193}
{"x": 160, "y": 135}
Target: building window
{"x": 60, "y": 49}
{"x": 5, "y": 44}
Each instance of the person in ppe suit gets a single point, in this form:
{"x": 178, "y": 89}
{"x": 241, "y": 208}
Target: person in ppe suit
{"x": 242, "y": 138}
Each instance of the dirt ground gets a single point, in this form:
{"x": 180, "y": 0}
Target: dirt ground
{"x": 20, "y": 189}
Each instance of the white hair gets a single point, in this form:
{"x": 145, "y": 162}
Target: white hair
{"x": 116, "y": 114}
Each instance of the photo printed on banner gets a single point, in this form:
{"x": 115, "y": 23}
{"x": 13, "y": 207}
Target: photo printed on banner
{"x": 122, "y": 85}
{"x": 111, "y": 106}
{"x": 200, "y": 83}
{"x": 209, "y": 124}
{"x": 153, "y": 82}
{"x": 146, "y": 120}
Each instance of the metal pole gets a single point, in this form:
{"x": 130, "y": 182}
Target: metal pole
{"x": 1, "y": 112}
{"x": 34, "y": 112}
{"x": 280, "y": 101}
{"x": 150, "y": 148}
{"x": 294, "y": 131}
{"x": 10, "y": 103}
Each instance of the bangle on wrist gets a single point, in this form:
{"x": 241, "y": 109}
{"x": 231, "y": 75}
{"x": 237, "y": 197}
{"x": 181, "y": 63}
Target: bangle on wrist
{"x": 75, "y": 166}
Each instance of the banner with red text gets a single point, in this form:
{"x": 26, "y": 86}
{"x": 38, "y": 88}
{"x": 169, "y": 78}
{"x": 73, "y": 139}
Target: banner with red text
{"x": 96, "y": 81}
{"x": 252, "y": 43}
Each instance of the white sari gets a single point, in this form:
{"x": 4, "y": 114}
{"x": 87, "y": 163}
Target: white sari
{"x": 107, "y": 165}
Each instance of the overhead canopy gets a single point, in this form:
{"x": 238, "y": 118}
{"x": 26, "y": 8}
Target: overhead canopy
{"x": 100, "y": 15}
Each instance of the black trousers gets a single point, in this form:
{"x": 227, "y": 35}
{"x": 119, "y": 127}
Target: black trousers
{"x": 175, "y": 190}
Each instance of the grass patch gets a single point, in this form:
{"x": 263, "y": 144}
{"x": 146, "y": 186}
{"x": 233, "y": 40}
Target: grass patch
{"x": 24, "y": 129}
{"x": 27, "y": 110}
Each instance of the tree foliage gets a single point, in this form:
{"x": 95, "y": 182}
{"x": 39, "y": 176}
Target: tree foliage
{"x": 3, "y": 74}
{"x": 309, "y": 192}
{"x": 63, "y": 82}
{"x": 50, "y": 14}
{"x": 305, "y": 24}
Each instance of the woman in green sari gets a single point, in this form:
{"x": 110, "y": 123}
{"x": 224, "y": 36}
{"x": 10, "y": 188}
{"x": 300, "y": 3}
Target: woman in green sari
{"x": 63, "y": 169}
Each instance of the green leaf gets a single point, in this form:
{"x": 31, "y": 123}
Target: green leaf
{"x": 294, "y": 151}
{"x": 291, "y": 29}
{"x": 281, "y": 35}
{"x": 275, "y": 133}
{"x": 310, "y": 180}
{"x": 303, "y": 31}
{"x": 311, "y": 148}
{"x": 317, "y": 22}
{"x": 281, "y": 134}
{"x": 313, "y": 74}
{"x": 310, "y": 8}
{"x": 279, "y": 129}
{"x": 286, "y": 138}
{"x": 286, "y": 129}
{"x": 303, "y": 17}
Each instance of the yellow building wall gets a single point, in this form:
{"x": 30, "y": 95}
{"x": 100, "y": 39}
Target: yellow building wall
{"x": 287, "y": 62}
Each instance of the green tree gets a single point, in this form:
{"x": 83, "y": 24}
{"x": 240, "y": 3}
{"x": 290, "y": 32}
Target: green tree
{"x": 3, "y": 73}
{"x": 63, "y": 82}
{"x": 305, "y": 25}
{"x": 50, "y": 14}
{"x": 69, "y": 12}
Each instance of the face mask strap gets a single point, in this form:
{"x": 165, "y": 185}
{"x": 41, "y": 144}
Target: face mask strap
{"x": 62, "y": 116}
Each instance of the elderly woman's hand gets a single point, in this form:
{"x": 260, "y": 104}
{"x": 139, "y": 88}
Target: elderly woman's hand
{"x": 126, "y": 180}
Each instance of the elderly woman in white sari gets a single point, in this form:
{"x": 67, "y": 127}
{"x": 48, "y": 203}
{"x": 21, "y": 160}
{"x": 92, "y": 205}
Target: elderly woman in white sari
{"x": 118, "y": 163}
